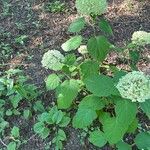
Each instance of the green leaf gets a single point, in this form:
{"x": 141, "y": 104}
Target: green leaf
{"x": 97, "y": 138}
{"x": 145, "y": 106}
{"x": 123, "y": 146}
{"x": 11, "y": 146}
{"x": 38, "y": 106}
{"x": 142, "y": 140}
{"x": 46, "y": 117}
{"x": 61, "y": 135}
{"x": 116, "y": 127}
{"x": 26, "y": 114}
{"x": 39, "y": 127}
{"x": 113, "y": 130}
{"x": 9, "y": 112}
{"x": 84, "y": 117}
{"x": 67, "y": 92}
{"x": 64, "y": 122}
{"x": 133, "y": 126}
{"x": 105, "y": 27}
{"x": 91, "y": 102}
{"x": 45, "y": 133}
{"x": 15, "y": 100}
{"x": 2, "y": 102}
{"x": 15, "y": 132}
{"x": 57, "y": 116}
{"x": 85, "y": 71}
{"x": 72, "y": 44}
{"x": 70, "y": 59}
{"x": 101, "y": 85}
{"x": 98, "y": 47}
{"x": 125, "y": 111}
{"x": 52, "y": 82}
{"x": 77, "y": 25}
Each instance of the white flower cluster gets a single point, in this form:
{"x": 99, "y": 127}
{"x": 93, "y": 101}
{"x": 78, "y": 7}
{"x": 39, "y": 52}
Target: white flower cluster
{"x": 87, "y": 7}
{"x": 141, "y": 38}
{"x": 53, "y": 60}
{"x": 135, "y": 86}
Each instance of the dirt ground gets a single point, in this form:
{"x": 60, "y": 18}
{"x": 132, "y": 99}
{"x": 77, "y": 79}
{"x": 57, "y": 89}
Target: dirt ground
{"x": 48, "y": 31}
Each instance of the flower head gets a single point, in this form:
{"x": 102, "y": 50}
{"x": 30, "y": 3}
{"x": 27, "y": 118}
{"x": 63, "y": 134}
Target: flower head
{"x": 88, "y": 7}
{"x": 135, "y": 86}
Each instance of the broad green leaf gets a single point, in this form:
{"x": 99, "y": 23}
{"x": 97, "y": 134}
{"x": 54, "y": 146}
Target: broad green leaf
{"x": 46, "y": 117}
{"x": 57, "y": 116}
{"x": 103, "y": 116}
{"x": 145, "y": 106}
{"x": 61, "y": 135}
{"x": 84, "y": 117}
{"x": 45, "y": 133}
{"x": 125, "y": 111}
{"x": 11, "y": 146}
{"x": 142, "y": 140}
{"x": 52, "y": 82}
{"x": 101, "y": 85}
{"x": 113, "y": 130}
{"x": 39, "y": 127}
{"x": 133, "y": 126}
{"x": 91, "y": 102}
{"x": 27, "y": 114}
{"x": 9, "y": 112}
{"x": 105, "y": 26}
{"x": 38, "y": 106}
{"x": 15, "y": 132}
{"x": 72, "y": 44}
{"x": 85, "y": 71}
{"x": 98, "y": 47}
{"x": 64, "y": 122}
{"x": 123, "y": 146}
{"x": 15, "y": 100}
{"x": 97, "y": 138}
{"x": 67, "y": 92}
{"x": 70, "y": 59}
{"x": 77, "y": 25}
{"x": 116, "y": 127}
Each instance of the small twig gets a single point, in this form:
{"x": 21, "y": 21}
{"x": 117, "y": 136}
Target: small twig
{"x": 3, "y": 143}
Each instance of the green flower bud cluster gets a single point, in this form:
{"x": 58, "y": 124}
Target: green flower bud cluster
{"x": 52, "y": 60}
{"x": 88, "y": 7}
{"x": 135, "y": 86}
{"x": 141, "y": 38}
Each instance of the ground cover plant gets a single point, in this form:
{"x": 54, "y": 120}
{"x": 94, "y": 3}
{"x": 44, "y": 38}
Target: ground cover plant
{"x": 91, "y": 95}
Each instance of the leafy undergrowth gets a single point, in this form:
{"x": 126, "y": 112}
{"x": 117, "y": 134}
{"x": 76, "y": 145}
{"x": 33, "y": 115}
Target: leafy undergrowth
{"x": 92, "y": 95}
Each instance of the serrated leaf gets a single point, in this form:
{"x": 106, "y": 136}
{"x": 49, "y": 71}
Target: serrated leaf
{"x": 46, "y": 117}
{"x": 91, "y": 102}
{"x": 68, "y": 91}
{"x": 77, "y": 25}
{"x": 72, "y": 44}
{"x": 15, "y": 100}
{"x": 39, "y": 127}
{"x": 61, "y": 135}
{"x": 84, "y": 117}
{"x": 145, "y": 106}
{"x": 97, "y": 138}
{"x": 57, "y": 116}
{"x": 101, "y": 85}
{"x": 125, "y": 111}
{"x": 113, "y": 130}
{"x": 105, "y": 26}
{"x": 52, "y": 82}
{"x": 15, "y": 132}
{"x": 85, "y": 71}
{"x": 11, "y": 146}
{"x": 45, "y": 133}
{"x": 64, "y": 122}
{"x": 116, "y": 127}
{"x": 38, "y": 106}
{"x": 123, "y": 146}
{"x": 142, "y": 140}
{"x": 98, "y": 47}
